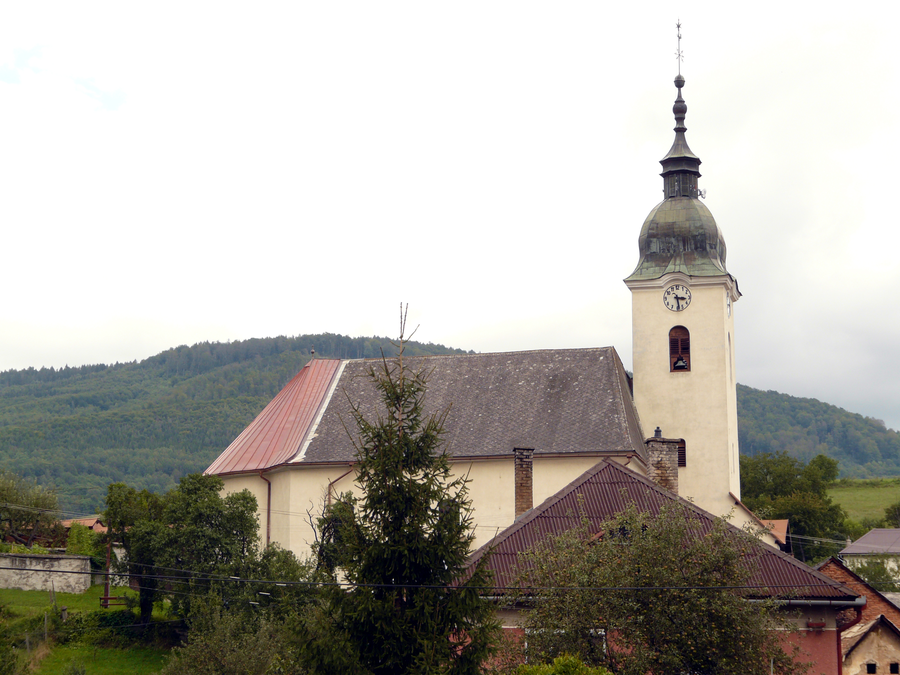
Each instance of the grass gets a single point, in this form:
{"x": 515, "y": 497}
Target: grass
{"x": 20, "y": 608}
{"x": 862, "y": 498}
{"x": 29, "y": 603}
{"x": 103, "y": 661}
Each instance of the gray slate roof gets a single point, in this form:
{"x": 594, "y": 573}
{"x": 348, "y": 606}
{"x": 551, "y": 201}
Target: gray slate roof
{"x": 560, "y": 401}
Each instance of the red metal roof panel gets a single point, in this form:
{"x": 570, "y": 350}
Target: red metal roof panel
{"x": 280, "y": 429}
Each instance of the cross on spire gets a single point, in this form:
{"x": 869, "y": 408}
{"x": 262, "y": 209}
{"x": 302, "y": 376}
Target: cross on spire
{"x": 679, "y": 55}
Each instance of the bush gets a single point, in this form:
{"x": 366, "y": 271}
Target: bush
{"x": 562, "y": 665}
{"x": 101, "y": 627}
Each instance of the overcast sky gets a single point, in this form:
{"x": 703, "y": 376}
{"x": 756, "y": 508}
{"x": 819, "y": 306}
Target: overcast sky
{"x": 180, "y": 172}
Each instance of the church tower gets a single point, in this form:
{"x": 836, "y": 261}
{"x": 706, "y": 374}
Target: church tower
{"x": 683, "y": 331}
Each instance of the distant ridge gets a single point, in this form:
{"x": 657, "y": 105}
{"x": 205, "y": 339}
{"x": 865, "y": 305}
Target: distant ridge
{"x": 148, "y": 423}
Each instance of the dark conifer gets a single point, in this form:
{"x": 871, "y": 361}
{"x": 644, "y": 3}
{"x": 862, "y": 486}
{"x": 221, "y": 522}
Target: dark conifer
{"x": 403, "y": 545}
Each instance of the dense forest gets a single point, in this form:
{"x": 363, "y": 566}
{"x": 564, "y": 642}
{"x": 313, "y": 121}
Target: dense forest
{"x": 805, "y": 427}
{"x": 148, "y": 423}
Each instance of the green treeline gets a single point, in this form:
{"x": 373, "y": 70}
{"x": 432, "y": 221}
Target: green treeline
{"x": 150, "y": 423}
{"x": 770, "y": 422}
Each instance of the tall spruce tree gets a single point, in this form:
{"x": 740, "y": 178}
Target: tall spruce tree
{"x": 401, "y": 548}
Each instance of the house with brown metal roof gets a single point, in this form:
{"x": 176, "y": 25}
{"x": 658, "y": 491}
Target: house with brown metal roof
{"x": 814, "y": 600}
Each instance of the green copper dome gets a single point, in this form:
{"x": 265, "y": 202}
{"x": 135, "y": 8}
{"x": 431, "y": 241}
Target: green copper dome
{"x": 680, "y": 234}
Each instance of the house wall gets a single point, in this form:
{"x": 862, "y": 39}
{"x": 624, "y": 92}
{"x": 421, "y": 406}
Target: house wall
{"x": 299, "y": 494}
{"x": 880, "y": 646}
{"x": 62, "y": 573}
{"x": 818, "y": 646}
{"x": 259, "y": 489}
{"x": 891, "y": 562}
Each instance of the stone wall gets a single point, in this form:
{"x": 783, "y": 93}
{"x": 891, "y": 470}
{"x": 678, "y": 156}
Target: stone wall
{"x": 62, "y": 573}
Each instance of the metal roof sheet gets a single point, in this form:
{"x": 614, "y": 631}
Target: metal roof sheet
{"x": 606, "y": 490}
{"x": 280, "y": 429}
{"x": 881, "y": 540}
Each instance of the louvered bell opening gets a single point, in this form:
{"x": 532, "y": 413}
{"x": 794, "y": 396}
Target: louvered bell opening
{"x": 679, "y": 349}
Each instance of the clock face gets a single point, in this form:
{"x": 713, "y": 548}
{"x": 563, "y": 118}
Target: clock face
{"x": 677, "y": 297}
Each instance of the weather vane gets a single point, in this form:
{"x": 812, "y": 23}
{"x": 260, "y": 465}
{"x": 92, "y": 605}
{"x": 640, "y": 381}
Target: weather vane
{"x": 679, "y": 54}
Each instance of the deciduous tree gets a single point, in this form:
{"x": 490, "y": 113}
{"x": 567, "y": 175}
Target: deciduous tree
{"x": 28, "y": 511}
{"x": 650, "y": 594}
{"x": 186, "y": 535}
{"x": 779, "y": 486}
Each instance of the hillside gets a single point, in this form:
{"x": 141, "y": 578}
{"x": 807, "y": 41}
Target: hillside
{"x": 148, "y": 423}
{"x": 806, "y": 427}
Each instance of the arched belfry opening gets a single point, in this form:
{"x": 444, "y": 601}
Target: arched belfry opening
{"x": 679, "y": 349}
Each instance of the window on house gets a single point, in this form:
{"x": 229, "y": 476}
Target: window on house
{"x": 682, "y": 453}
{"x": 871, "y": 668}
{"x": 895, "y": 667}
{"x": 679, "y": 349}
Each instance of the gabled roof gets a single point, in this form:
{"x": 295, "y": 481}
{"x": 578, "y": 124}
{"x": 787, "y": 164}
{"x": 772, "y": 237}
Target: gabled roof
{"x": 92, "y": 523}
{"x": 279, "y": 430}
{"x": 856, "y": 634}
{"x": 556, "y": 402}
{"x": 778, "y": 528}
{"x": 874, "y": 542}
{"x": 607, "y": 489}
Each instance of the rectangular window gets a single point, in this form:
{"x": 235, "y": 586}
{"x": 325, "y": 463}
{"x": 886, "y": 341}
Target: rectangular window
{"x": 895, "y": 667}
{"x": 871, "y": 668}
{"x": 682, "y": 453}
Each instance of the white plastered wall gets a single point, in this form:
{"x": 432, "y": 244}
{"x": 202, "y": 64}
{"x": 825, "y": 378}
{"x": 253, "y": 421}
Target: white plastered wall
{"x": 699, "y": 406}
{"x": 299, "y": 493}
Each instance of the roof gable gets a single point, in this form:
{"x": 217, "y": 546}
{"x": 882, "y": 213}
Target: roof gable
{"x": 279, "y": 431}
{"x": 856, "y": 634}
{"x": 607, "y": 489}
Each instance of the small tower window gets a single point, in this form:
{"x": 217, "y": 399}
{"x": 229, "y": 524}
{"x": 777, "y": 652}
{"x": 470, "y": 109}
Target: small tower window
{"x": 679, "y": 349}
{"x": 682, "y": 453}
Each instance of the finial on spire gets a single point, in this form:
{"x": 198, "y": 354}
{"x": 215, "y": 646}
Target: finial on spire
{"x": 679, "y": 55}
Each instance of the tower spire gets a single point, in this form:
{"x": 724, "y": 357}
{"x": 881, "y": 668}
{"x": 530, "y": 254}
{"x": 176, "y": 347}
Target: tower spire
{"x": 681, "y": 167}
{"x": 678, "y": 55}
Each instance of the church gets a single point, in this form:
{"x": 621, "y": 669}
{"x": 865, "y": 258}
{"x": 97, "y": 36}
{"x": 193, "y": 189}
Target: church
{"x": 524, "y": 425}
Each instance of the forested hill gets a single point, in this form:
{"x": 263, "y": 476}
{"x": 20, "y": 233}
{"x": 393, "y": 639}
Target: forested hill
{"x": 148, "y": 423}
{"x": 806, "y": 427}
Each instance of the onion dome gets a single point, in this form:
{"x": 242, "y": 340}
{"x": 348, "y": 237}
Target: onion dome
{"x": 680, "y": 234}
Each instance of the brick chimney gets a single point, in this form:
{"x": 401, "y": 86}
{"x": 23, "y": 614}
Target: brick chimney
{"x": 524, "y": 479}
{"x": 662, "y": 467}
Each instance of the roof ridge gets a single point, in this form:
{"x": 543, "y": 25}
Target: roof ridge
{"x": 517, "y": 352}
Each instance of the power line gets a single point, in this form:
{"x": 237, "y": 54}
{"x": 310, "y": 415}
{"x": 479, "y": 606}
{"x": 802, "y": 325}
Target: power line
{"x": 443, "y": 587}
